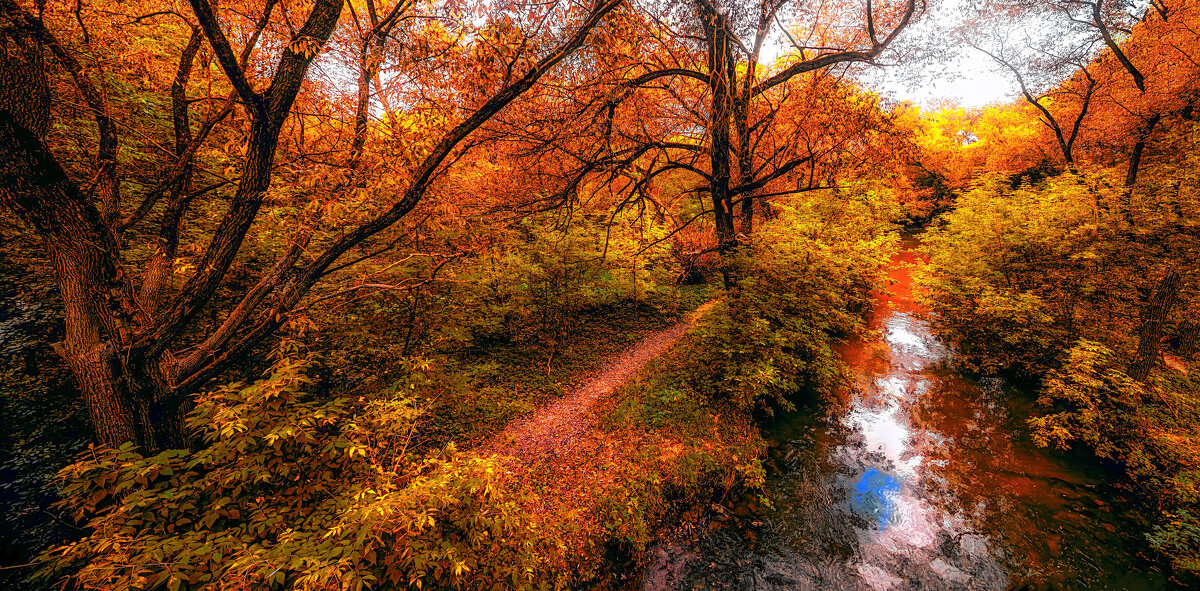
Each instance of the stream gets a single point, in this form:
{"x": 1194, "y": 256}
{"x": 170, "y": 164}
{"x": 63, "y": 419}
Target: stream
{"x": 919, "y": 478}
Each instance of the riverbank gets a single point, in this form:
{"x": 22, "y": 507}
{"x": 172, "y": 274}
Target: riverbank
{"x": 400, "y": 451}
{"x": 917, "y": 475}
{"x": 1082, "y": 300}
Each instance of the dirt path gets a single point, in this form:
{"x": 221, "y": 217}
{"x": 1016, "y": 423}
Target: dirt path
{"x": 557, "y": 427}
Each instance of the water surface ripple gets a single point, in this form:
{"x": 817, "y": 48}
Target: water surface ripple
{"x": 919, "y": 478}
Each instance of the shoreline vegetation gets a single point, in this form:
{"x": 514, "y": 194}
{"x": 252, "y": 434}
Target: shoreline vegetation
{"x": 281, "y": 279}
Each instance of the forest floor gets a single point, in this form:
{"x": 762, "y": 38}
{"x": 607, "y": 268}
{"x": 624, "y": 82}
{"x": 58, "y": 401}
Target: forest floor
{"x": 555, "y": 429}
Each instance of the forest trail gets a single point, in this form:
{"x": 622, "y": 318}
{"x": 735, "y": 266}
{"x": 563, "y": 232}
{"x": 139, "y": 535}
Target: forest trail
{"x": 559, "y": 426}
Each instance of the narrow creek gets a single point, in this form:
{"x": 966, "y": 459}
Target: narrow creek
{"x": 920, "y": 478}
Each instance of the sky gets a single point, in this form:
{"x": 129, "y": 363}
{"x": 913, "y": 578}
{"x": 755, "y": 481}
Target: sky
{"x": 961, "y": 76}
{"x": 968, "y": 81}
{"x": 950, "y": 73}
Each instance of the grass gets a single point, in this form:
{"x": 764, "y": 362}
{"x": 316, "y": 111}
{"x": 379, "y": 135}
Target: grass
{"x": 487, "y": 386}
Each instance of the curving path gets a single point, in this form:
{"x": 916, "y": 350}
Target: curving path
{"x": 557, "y": 427}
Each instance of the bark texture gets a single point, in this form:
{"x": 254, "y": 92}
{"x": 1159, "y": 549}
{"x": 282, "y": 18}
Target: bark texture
{"x": 1154, "y": 318}
{"x": 1189, "y": 335}
{"x": 24, "y": 90}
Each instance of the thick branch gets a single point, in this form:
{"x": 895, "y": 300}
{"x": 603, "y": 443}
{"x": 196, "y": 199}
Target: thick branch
{"x": 1048, "y": 117}
{"x": 225, "y": 56}
{"x": 105, "y": 180}
{"x": 1098, "y": 19}
{"x": 420, "y": 182}
{"x": 775, "y": 174}
{"x": 256, "y": 176}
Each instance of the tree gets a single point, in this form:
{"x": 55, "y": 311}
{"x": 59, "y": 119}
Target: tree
{"x": 700, "y": 100}
{"x": 1133, "y": 73}
{"x": 138, "y": 353}
{"x": 1037, "y": 66}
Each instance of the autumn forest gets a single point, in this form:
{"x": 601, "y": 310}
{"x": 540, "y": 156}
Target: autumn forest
{"x": 599, "y": 294}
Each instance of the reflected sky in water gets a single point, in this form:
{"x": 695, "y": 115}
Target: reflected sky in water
{"x": 917, "y": 478}
{"x": 875, "y": 495}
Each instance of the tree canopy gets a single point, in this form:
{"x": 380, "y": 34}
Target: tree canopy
{"x": 295, "y": 264}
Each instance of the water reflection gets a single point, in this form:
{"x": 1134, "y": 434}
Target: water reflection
{"x": 875, "y": 494}
{"x": 918, "y": 479}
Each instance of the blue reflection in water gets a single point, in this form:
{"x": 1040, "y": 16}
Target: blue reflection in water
{"x": 875, "y": 494}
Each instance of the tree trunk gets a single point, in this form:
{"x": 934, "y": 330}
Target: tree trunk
{"x": 745, "y": 171}
{"x": 84, "y": 253}
{"x": 119, "y": 349}
{"x": 368, "y": 64}
{"x": 1154, "y": 316}
{"x": 741, "y": 116}
{"x": 112, "y": 412}
{"x": 127, "y": 395}
{"x": 1189, "y": 333}
{"x": 127, "y": 403}
{"x": 1135, "y": 158}
{"x": 720, "y": 66}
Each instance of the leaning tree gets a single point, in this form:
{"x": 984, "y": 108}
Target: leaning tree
{"x": 143, "y": 336}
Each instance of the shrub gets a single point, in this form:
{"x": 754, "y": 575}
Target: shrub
{"x": 292, "y": 492}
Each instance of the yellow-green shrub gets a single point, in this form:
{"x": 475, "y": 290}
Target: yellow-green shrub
{"x": 288, "y": 491}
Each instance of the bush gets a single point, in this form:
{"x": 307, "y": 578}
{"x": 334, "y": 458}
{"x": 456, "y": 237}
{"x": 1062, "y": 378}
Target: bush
{"x": 806, "y": 284}
{"x": 1009, "y": 268}
{"x": 292, "y": 492}
{"x": 1148, "y": 428}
